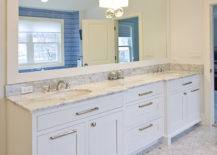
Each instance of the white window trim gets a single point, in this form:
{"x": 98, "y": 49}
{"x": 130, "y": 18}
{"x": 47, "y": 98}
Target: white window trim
{"x": 45, "y": 65}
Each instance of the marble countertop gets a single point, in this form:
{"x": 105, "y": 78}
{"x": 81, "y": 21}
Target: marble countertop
{"x": 42, "y": 101}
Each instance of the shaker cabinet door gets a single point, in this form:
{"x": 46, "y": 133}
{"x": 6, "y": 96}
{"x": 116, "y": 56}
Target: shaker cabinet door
{"x": 175, "y": 111}
{"x": 69, "y": 141}
{"x": 193, "y": 106}
{"x": 105, "y": 135}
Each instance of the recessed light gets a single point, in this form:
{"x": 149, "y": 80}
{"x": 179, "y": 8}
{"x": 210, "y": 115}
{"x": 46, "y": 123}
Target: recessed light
{"x": 44, "y": 1}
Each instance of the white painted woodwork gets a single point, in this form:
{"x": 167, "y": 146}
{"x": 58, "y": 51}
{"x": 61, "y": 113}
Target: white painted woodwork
{"x": 156, "y": 29}
{"x": 144, "y": 110}
{"x": 98, "y": 42}
{"x": 86, "y": 109}
{"x": 144, "y": 134}
{"x": 144, "y": 92}
{"x": 183, "y": 105}
{"x": 105, "y": 135}
{"x": 70, "y": 141}
{"x": 118, "y": 124}
{"x": 193, "y": 103}
{"x": 183, "y": 83}
{"x": 175, "y": 111}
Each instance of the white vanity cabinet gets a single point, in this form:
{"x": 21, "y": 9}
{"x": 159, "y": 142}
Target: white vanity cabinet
{"x": 183, "y": 105}
{"x": 105, "y": 135}
{"x": 123, "y": 123}
{"x": 70, "y": 141}
{"x": 144, "y": 117}
{"x": 192, "y": 106}
{"x": 92, "y": 127}
{"x": 99, "y": 135}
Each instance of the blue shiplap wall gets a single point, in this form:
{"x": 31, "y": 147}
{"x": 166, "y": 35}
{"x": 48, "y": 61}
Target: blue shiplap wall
{"x": 72, "y": 43}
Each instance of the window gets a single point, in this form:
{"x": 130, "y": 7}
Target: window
{"x": 40, "y": 43}
{"x": 125, "y": 48}
{"x": 125, "y": 43}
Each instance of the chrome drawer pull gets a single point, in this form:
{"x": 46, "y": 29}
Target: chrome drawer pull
{"x": 87, "y": 111}
{"x": 146, "y": 93}
{"x": 62, "y": 135}
{"x": 188, "y": 83}
{"x": 146, "y": 105}
{"x": 195, "y": 90}
{"x": 149, "y": 126}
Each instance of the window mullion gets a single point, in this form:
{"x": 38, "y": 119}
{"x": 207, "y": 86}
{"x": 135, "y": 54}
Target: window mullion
{"x": 30, "y": 49}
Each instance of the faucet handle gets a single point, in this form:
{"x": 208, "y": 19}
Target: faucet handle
{"x": 47, "y": 88}
{"x": 68, "y": 85}
{"x": 113, "y": 75}
{"x": 120, "y": 74}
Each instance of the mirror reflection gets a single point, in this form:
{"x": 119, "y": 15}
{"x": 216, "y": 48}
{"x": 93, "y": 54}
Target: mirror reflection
{"x": 56, "y": 34}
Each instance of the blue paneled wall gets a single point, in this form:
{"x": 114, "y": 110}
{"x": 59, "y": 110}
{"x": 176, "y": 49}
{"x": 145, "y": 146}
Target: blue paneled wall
{"x": 72, "y": 42}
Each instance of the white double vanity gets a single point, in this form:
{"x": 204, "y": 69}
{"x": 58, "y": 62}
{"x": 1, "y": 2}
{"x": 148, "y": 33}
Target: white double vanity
{"x": 59, "y": 99}
{"x": 121, "y": 117}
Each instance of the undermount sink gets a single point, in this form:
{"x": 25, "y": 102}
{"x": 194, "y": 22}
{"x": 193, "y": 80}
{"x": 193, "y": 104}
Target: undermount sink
{"x": 75, "y": 92}
{"x": 61, "y": 95}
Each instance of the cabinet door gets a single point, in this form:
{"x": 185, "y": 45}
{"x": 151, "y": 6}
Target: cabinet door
{"x": 105, "y": 135}
{"x": 69, "y": 141}
{"x": 193, "y": 106}
{"x": 175, "y": 111}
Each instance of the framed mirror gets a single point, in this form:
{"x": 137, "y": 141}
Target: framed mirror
{"x": 51, "y": 36}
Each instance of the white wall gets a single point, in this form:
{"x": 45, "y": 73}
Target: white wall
{"x": 186, "y": 31}
{"x": 94, "y": 13}
{"x": 2, "y": 75}
{"x": 154, "y": 25}
{"x": 191, "y": 42}
{"x": 2, "y": 46}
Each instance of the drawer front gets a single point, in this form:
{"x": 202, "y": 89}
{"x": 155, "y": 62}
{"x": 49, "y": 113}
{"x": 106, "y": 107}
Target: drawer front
{"x": 145, "y": 110}
{"x": 144, "y": 135}
{"x": 183, "y": 83}
{"x": 144, "y": 92}
{"x": 82, "y": 110}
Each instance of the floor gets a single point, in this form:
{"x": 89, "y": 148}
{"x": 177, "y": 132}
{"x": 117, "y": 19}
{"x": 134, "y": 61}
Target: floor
{"x": 200, "y": 141}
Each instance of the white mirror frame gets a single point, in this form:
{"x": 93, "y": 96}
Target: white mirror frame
{"x": 13, "y": 76}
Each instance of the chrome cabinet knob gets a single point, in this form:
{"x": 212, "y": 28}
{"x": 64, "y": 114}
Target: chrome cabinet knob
{"x": 93, "y": 124}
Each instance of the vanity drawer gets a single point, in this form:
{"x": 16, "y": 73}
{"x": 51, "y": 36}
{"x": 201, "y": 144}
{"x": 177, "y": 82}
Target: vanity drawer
{"x": 81, "y": 110}
{"x": 144, "y": 110}
{"x": 143, "y": 135}
{"x": 144, "y": 92}
{"x": 184, "y": 83}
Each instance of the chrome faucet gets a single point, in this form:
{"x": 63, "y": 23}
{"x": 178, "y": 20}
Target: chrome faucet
{"x": 62, "y": 85}
{"x": 115, "y": 75}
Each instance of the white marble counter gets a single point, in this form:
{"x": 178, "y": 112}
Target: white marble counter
{"x": 41, "y": 101}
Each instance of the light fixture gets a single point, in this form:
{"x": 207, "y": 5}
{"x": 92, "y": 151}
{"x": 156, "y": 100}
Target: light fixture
{"x": 115, "y": 7}
{"x": 44, "y": 1}
{"x": 113, "y": 4}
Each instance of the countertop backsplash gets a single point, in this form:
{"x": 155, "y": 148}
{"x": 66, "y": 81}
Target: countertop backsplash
{"x": 38, "y": 86}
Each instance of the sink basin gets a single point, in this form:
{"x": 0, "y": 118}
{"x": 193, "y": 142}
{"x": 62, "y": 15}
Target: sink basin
{"x": 61, "y": 96}
{"x": 75, "y": 92}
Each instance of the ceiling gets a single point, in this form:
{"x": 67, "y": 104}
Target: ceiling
{"x": 69, "y": 5}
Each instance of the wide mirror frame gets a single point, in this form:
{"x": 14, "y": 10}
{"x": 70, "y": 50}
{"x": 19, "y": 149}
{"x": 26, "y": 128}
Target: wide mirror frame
{"x": 13, "y": 74}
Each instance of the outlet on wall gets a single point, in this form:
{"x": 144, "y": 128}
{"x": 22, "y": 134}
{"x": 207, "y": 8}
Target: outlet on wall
{"x": 26, "y": 89}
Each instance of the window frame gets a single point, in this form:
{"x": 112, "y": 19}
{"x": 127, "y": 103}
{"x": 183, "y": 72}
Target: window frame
{"x": 51, "y": 64}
